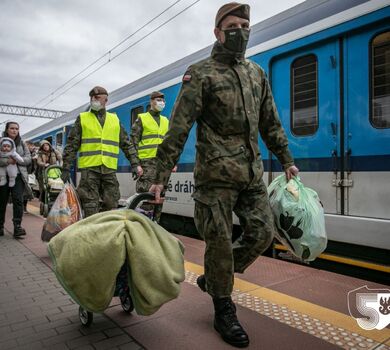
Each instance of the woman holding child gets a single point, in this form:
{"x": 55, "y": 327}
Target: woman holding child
{"x": 18, "y": 185}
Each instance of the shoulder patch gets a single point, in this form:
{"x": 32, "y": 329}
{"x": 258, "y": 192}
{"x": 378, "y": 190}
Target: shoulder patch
{"x": 187, "y": 76}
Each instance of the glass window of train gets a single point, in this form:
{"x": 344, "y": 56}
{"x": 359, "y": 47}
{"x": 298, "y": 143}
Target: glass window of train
{"x": 380, "y": 81}
{"x": 50, "y": 139}
{"x": 304, "y": 88}
{"x": 59, "y": 139}
{"x": 134, "y": 113}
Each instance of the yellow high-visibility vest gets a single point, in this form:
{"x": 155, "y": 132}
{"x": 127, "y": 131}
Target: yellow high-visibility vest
{"x": 99, "y": 145}
{"x": 152, "y": 135}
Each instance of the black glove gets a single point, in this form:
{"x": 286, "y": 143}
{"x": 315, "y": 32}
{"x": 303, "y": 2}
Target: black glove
{"x": 65, "y": 175}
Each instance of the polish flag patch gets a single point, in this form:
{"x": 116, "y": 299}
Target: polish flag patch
{"x": 187, "y": 76}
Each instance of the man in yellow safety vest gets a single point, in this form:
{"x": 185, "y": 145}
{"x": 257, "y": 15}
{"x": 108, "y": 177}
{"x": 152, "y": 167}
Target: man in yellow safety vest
{"x": 97, "y": 136}
{"x": 147, "y": 133}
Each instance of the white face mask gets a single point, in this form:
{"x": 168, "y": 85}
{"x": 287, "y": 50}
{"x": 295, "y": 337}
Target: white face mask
{"x": 160, "y": 105}
{"x": 96, "y": 105}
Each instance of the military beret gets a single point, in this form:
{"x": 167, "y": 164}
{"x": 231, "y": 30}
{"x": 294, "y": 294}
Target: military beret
{"x": 232, "y": 9}
{"x": 98, "y": 90}
{"x": 156, "y": 94}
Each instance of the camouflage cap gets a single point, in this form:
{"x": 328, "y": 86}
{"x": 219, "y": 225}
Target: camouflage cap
{"x": 98, "y": 90}
{"x": 232, "y": 9}
{"x": 156, "y": 94}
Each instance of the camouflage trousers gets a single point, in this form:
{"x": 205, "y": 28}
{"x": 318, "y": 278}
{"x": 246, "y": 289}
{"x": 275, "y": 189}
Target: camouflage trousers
{"x": 145, "y": 181}
{"x": 213, "y": 216}
{"x": 95, "y": 187}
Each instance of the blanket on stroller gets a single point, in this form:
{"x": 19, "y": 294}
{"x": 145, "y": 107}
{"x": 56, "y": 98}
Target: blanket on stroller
{"x": 88, "y": 255}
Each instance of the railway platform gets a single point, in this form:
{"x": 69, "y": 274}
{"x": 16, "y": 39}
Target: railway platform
{"x": 281, "y": 305}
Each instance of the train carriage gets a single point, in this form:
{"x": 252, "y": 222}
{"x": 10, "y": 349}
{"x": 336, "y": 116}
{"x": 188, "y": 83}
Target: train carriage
{"x": 328, "y": 62}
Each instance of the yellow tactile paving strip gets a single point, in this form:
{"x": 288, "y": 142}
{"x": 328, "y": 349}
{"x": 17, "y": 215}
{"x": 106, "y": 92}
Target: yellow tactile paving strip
{"x": 348, "y": 261}
{"x": 329, "y": 325}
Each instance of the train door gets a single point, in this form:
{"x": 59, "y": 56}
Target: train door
{"x": 306, "y": 88}
{"x": 367, "y": 110}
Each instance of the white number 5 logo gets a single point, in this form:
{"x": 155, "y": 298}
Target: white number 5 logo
{"x": 370, "y": 307}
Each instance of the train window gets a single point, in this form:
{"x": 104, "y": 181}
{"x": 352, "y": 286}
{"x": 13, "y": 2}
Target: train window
{"x": 304, "y": 86}
{"x": 380, "y": 81}
{"x": 50, "y": 139}
{"x": 59, "y": 142}
{"x": 59, "y": 139}
{"x": 134, "y": 113}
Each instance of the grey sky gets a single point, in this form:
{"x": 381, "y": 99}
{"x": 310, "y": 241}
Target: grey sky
{"x": 45, "y": 42}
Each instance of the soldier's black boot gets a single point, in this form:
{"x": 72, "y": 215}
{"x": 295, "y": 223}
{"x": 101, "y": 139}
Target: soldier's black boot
{"x": 201, "y": 282}
{"x": 227, "y": 324}
{"x": 19, "y": 231}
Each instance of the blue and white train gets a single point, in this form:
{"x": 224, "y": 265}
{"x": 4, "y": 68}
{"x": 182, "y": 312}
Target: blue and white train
{"x": 328, "y": 62}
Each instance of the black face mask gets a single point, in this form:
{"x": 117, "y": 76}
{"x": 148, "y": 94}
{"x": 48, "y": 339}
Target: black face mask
{"x": 236, "y": 39}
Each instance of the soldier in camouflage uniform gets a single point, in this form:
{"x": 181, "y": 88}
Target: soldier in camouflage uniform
{"x": 230, "y": 99}
{"x": 147, "y": 133}
{"x": 98, "y": 181}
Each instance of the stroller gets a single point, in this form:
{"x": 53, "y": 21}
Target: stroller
{"x": 52, "y": 186}
{"x": 122, "y": 288}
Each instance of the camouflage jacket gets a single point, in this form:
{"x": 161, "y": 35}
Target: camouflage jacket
{"x": 230, "y": 99}
{"x": 74, "y": 141}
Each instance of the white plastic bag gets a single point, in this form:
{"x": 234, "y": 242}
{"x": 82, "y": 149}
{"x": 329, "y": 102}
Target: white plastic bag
{"x": 299, "y": 217}
{"x": 65, "y": 211}
{"x": 32, "y": 180}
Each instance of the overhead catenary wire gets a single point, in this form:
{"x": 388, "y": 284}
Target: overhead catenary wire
{"x": 108, "y": 53}
{"x": 114, "y": 57}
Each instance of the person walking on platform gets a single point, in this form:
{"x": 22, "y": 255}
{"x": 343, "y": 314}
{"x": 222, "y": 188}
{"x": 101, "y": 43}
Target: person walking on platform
{"x": 21, "y": 182}
{"x": 97, "y": 135}
{"x": 230, "y": 99}
{"x": 147, "y": 133}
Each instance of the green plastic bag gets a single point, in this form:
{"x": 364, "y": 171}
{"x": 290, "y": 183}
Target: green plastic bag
{"x": 299, "y": 217}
